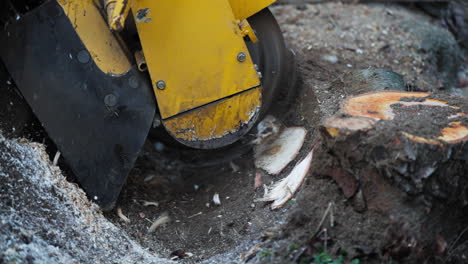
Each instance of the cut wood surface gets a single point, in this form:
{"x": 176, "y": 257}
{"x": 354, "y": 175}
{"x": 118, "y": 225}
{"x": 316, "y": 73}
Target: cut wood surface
{"x": 274, "y": 156}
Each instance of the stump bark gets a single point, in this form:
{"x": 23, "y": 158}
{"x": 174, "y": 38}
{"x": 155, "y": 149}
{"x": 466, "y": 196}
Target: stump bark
{"x": 404, "y": 155}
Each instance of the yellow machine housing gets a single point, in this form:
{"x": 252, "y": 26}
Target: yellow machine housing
{"x": 205, "y": 82}
{"x": 199, "y": 63}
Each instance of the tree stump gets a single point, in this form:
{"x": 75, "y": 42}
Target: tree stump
{"x": 404, "y": 155}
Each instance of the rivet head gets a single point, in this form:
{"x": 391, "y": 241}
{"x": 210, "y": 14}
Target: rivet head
{"x": 133, "y": 82}
{"x": 83, "y": 56}
{"x": 110, "y": 100}
{"x": 241, "y": 57}
{"x": 161, "y": 85}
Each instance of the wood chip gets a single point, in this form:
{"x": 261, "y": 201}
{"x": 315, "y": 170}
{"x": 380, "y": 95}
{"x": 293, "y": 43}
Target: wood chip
{"x": 251, "y": 253}
{"x": 216, "y": 199}
{"x": 148, "y": 203}
{"x": 163, "y": 219}
{"x": 284, "y": 190}
{"x": 258, "y": 180}
{"x": 275, "y": 156}
{"x": 122, "y": 216}
{"x": 234, "y": 167}
{"x": 56, "y": 158}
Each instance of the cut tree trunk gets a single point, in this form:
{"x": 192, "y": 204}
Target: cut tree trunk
{"x": 404, "y": 155}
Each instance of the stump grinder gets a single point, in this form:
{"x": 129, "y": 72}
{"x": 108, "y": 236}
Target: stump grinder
{"x": 99, "y": 75}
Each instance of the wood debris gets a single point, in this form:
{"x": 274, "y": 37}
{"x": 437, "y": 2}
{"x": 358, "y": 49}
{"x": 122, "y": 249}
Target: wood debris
{"x": 163, "y": 219}
{"x": 149, "y": 203}
{"x": 284, "y": 190}
{"x": 267, "y": 129}
{"x": 216, "y": 199}
{"x": 56, "y": 158}
{"x": 251, "y": 253}
{"x": 275, "y": 156}
{"x": 122, "y": 216}
{"x": 197, "y": 214}
{"x": 235, "y": 168}
{"x": 258, "y": 180}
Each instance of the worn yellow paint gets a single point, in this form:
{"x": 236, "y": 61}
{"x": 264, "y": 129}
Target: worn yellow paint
{"x": 192, "y": 46}
{"x": 117, "y": 11}
{"x": 96, "y": 36}
{"x": 243, "y": 9}
{"x": 217, "y": 119}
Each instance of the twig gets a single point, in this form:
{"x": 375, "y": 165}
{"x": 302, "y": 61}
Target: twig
{"x": 326, "y": 239}
{"x": 199, "y": 213}
{"x": 323, "y": 217}
{"x": 456, "y": 240}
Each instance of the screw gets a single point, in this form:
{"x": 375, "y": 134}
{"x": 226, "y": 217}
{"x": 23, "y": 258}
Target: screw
{"x": 110, "y": 100}
{"x": 161, "y": 85}
{"x": 133, "y": 82}
{"x": 241, "y": 56}
{"x": 83, "y": 56}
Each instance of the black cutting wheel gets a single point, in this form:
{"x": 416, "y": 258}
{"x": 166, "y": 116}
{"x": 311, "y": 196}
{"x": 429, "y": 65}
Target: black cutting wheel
{"x": 278, "y": 68}
{"x": 274, "y": 60}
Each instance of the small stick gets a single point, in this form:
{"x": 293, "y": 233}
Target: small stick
{"x": 258, "y": 180}
{"x": 323, "y": 217}
{"x": 326, "y": 238}
{"x": 199, "y": 213}
{"x": 456, "y": 240}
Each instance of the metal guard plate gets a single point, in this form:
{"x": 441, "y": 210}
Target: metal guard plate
{"x": 99, "y": 142}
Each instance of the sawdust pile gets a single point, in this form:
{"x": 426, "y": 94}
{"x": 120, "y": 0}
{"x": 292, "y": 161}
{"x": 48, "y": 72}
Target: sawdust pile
{"x": 45, "y": 219}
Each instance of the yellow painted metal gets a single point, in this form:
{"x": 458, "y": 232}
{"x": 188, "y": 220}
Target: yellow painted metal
{"x": 117, "y": 11}
{"x": 193, "y": 46}
{"x": 217, "y": 119}
{"x": 247, "y": 30}
{"x": 243, "y": 9}
{"x": 96, "y": 36}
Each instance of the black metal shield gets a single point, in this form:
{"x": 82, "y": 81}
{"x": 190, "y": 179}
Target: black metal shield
{"x": 98, "y": 121}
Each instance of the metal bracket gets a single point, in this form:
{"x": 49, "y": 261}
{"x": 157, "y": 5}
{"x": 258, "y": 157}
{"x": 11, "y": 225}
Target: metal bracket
{"x": 247, "y": 30}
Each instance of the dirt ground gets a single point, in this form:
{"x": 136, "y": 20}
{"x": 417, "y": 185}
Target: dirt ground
{"x": 329, "y": 40}
{"x": 354, "y": 37}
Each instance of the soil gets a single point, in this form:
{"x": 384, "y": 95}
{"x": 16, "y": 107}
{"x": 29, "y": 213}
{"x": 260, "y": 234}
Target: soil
{"x": 361, "y": 37}
{"x": 329, "y": 41}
